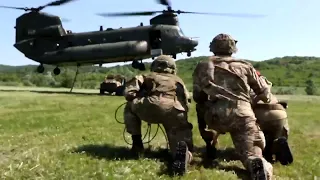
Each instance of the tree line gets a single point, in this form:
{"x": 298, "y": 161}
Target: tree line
{"x": 288, "y": 71}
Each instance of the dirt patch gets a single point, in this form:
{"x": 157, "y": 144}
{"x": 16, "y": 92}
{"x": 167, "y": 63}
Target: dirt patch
{"x": 4, "y": 158}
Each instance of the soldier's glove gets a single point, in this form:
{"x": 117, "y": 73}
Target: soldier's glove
{"x": 284, "y": 104}
{"x": 264, "y": 97}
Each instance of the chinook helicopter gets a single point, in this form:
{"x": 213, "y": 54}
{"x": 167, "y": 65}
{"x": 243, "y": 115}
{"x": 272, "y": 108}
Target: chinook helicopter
{"x": 41, "y": 37}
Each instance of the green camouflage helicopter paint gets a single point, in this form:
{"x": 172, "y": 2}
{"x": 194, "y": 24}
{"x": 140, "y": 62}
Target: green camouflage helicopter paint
{"x": 41, "y": 37}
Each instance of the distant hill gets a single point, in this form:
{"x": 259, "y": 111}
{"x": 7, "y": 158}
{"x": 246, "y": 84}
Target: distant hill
{"x": 285, "y": 71}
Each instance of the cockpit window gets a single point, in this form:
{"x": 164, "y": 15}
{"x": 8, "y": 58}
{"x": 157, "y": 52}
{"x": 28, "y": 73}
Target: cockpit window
{"x": 180, "y": 32}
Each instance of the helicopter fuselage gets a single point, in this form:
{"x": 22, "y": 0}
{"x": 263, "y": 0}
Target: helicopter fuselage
{"x": 51, "y": 44}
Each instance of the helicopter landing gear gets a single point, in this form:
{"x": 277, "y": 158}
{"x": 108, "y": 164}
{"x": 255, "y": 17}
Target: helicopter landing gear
{"x": 138, "y": 65}
{"x": 56, "y": 71}
{"x": 40, "y": 68}
{"x": 174, "y": 56}
{"x": 189, "y": 54}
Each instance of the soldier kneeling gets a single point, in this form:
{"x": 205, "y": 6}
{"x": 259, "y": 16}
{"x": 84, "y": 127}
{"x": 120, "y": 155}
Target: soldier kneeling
{"x": 161, "y": 97}
{"x": 273, "y": 121}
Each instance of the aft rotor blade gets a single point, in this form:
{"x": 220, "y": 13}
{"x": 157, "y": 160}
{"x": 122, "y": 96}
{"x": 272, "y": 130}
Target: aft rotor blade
{"x": 54, "y": 3}
{"x": 146, "y": 13}
{"x": 9, "y": 7}
{"x": 226, "y": 14}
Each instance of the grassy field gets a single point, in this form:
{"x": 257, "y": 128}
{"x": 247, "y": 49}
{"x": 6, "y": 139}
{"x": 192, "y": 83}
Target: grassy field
{"x": 45, "y": 135}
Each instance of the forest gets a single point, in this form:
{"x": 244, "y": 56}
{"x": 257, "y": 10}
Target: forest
{"x": 288, "y": 71}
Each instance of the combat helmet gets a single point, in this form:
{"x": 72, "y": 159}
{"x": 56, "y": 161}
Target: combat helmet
{"x": 164, "y": 64}
{"x": 223, "y": 44}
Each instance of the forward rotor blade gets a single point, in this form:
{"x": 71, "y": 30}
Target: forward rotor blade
{"x": 65, "y": 20}
{"x": 225, "y": 14}
{"x": 59, "y": 2}
{"x": 54, "y": 3}
{"x": 9, "y": 7}
{"x": 146, "y": 13}
{"x": 165, "y": 2}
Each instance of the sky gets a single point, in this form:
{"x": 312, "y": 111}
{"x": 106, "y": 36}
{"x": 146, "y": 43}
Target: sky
{"x": 290, "y": 28}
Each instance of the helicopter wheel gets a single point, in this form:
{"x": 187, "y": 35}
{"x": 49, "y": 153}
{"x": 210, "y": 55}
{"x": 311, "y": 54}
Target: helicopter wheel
{"x": 56, "y": 71}
{"x": 142, "y": 67}
{"x": 40, "y": 69}
{"x": 135, "y": 64}
{"x": 189, "y": 54}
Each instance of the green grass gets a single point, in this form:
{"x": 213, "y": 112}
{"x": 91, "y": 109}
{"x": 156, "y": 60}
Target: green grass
{"x": 47, "y": 89}
{"x": 75, "y": 136}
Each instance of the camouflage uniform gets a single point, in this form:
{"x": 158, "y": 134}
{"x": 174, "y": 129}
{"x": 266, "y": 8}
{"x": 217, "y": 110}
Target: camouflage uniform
{"x": 161, "y": 97}
{"x": 273, "y": 121}
{"x": 209, "y": 136}
{"x": 227, "y": 82}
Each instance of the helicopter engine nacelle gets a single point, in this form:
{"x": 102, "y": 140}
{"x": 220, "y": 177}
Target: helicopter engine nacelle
{"x": 166, "y": 18}
{"x": 31, "y": 24}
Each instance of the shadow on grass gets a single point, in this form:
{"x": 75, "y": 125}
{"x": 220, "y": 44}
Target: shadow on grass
{"x": 56, "y": 92}
{"x": 228, "y": 154}
{"x": 225, "y": 155}
{"x": 111, "y": 152}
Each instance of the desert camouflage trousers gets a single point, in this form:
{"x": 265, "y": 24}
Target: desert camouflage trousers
{"x": 272, "y": 120}
{"x": 159, "y": 110}
{"x": 239, "y": 120}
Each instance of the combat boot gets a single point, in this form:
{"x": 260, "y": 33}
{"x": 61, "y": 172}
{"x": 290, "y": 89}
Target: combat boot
{"x": 211, "y": 150}
{"x": 267, "y": 151}
{"x": 282, "y": 151}
{"x": 137, "y": 144}
{"x": 257, "y": 169}
{"x": 181, "y": 159}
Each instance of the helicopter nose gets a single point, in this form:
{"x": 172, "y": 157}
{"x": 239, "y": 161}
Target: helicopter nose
{"x": 194, "y": 42}
{"x": 188, "y": 43}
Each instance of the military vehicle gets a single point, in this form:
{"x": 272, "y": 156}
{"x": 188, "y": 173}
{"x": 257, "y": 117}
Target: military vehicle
{"x": 41, "y": 37}
{"x": 113, "y": 84}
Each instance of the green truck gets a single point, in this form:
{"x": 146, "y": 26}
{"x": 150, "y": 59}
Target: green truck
{"x": 113, "y": 84}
